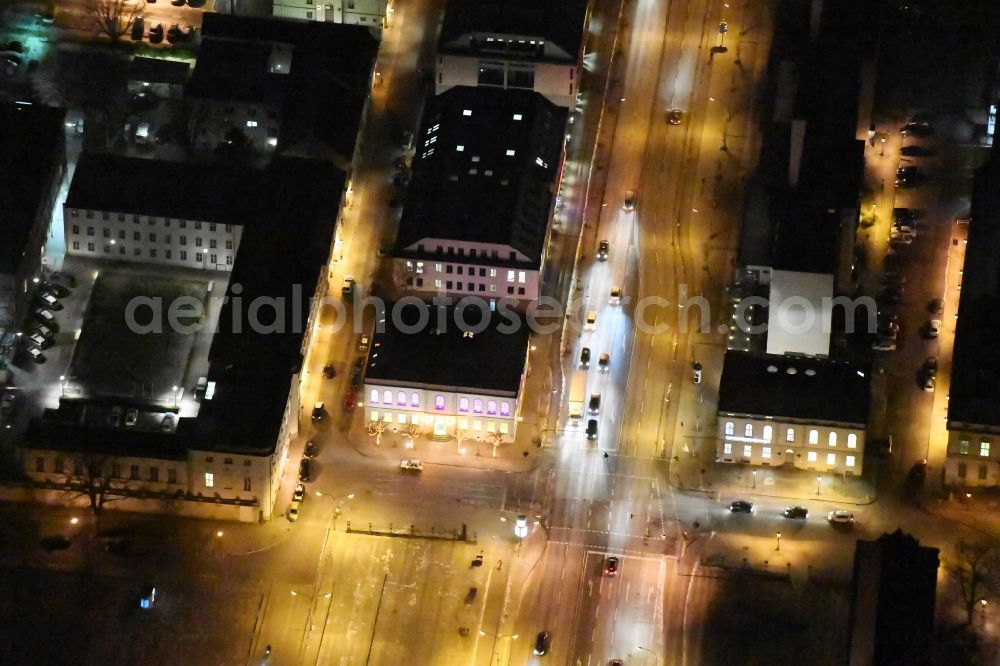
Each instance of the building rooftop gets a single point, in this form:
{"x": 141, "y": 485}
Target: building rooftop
{"x": 158, "y": 70}
{"x": 32, "y": 139}
{"x": 485, "y": 170}
{"x": 491, "y": 361}
{"x": 81, "y": 428}
{"x": 468, "y": 22}
{"x": 795, "y": 327}
{"x": 281, "y": 257}
{"x": 974, "y": 392}
{"x": 135, "y": 186}
{"x": 794, "y": 387}
{"x": 317, "y": 73}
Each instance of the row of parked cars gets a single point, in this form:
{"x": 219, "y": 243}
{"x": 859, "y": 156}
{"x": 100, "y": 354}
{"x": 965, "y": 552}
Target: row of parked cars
{"x": 47, "y": 300}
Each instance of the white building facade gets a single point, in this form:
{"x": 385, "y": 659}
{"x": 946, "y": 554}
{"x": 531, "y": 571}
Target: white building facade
{"x": 756, "y": 440}
{"x": 973, "y": 458}
{"x": 368, "y": 13}
{"x": 466, "y": 268}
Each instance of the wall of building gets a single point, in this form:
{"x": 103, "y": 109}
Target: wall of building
{"x": 558, "y": 82}
{"x": 369, "y": 13}
{"x": 131, "y": 473}
{"x": 973, "y": 459}
{"x": 467, "y": 279}
{"x": 821, "y": 448}
{"x": 147, "y": 239}
{"x": 440, "y": 413}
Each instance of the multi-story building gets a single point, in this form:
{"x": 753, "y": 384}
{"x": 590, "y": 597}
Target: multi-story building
{"x": 217, "y": 444}
{"x": 33, "y": 161}
{"x": 446, "y": 378}
{"x": 517, "y": 44}
{"x": 477, "y": 213}
{"x": 805, "y": 413}
{"x": 288, "y": 87}
{"x": 191, "y": 215}
{"x": 973, "y": 457}
{"x": 366, "y": 13}
{"x": 164, "y": 78}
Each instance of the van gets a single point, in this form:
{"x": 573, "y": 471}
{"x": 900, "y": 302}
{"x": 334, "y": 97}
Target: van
{"x": 591, "y": 320}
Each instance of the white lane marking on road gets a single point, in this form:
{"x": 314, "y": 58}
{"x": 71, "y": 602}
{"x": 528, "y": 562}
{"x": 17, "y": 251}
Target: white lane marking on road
{"x": 590, "y": 589}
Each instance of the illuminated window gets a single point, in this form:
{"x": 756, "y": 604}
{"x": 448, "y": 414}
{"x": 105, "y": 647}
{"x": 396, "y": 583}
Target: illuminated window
{"x": 505, "y": 409}
{"x": 730, "y": 427}
{"x": 811, "y": 456}
{"x": 984, "y": 448}
{"x": 766, "y": 452}
{"x": 387, "y": 417}
{"x": 520, "y": 277}
{"x": 747, "y": 450}
{"x": 477, "y": 406}
{"x": 727, "y": 448}
{"x": 790, "y": 435}
{"x": 748, "y": 430}
{"x": 850, "y": 461}
{"x": 209, "y": 480}
{"x": 852, "y": 441}
{"x": 387, "y": 397}
{"x": 373, "y": 396}
{"x": 831, "y": 459}
{"x": 504, "y": 428}
{"x": 463, "y": 424}
{"x": 767, "y": 432}
{"x": 414, "y": 400}
{"x": 401, "y": 398}
{"x": 813, "y": 436}
{"x": 491, "y": 407}
{"x": 963, "y": 446}
{"x": 373, "y": 416}
{"x": 439, "y": 402}
{"x": 510, "y": 276}
{"x": 491, "y": 426}
{"x": 400, "y": 418}
{"x": 477, "y": 425}
{"x": 832, "y": 439}
{"x": 463, "y": 404}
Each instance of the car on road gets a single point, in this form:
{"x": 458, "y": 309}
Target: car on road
{"x": 604, "y": 362}
{"x": 147, "y": 597}
{"x": 319, "y": 411}
{"x": 934, "y": 328}
{"x": 521, "y": 526}
{"x": 796, "y": 511}
{"x": 741, "y": 506}
{"x": 542, "y": 642}
{"x": 131, "y": 416}
{"x": 304, "y": 471}
{"x": 628, "y": 205}
{"x": 299, "y": 493}
{"x": 602, "y": 250}
{"x": 928, "y": 383}
{"x": 615, "y": 662}
{"x": 900, "y": 239}
{"x": 919, "y": 469}
{"x": 329, "y": 371}
{"x": 412, "y": 465}
{"x": 675, "y": 116}
{"x": 591, "y": 320}
{"x": 348, "y": 287}
{"x": 840, "y": 517}
{"x": 406, "y": 142}
{"x": 350, "y": 402}
{"x": 906, "y": 214}
{"x": 936, "y": 306}
{"x": 908, "y": 172}
{"x": 903, "y": 230}
{"x": 616, "y": 296}
{"x": 293, "y": 512}
{"x": 919, "y": 128}
{"x": 585, "y": 357}
{"x": 884, "y": 344}
{"x": 611, "y": 566}
{"x": 595, "y": 403}
{"x": 592, "y": 429}
{"x": 310, "y": 449}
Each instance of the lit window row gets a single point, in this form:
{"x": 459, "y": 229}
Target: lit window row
{"x": 767, "y": 432}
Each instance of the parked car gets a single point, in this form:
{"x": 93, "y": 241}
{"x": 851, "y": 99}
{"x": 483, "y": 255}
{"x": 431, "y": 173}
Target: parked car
{"x": 115, "y": 417}
{"x": 920, "y": 128}
{"x": 363, "y": 343}
{"x": 44, "y": 314}
{"x": 916, "y": 151}
{"x": 884, "y": 344}
{"x": 406, "y": 142}
{"x": 603, "y": 248}
{"x": 293, "y": 512}
{"x": 931, "y": 365}
{"x": 310, "y": 449}
{"x": 936, "y": 306}
{"x": 928, "y": 383}
{"x": 131, "y": 416}
{"x": 299, "y": 493}
{"x": 797, "y": 512}
{"x": 36, "y": 355}
{"x": 64, "y": 278}
{"x": 348, "y": 288}
{"x": 304, "y": 471}
{"x": 741, "y": 506}
{"x": 138, "y": 28}
{"x": 39, "y": 341}
{"x": 147, "y": 597}
{"x": 412, "y": 465}
{"x": 934, "y": 328}
{"x": 156, "y": 34}
{"x": 167, "y": 424}
{"x": 56, "y": 289}
{"x": 349, "y": 401}
{"x": 319, "y": 411}
{"x": 46, "y": 331}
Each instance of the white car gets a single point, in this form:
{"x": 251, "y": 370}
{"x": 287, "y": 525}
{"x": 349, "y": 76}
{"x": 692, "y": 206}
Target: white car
{"x": 300, "y": 492}
{"x": 629, "y": 204}
{"x": 411, "y": 465}
{"x": 840, "y": 517}
{"x": 591, "y": 321}
{"x": 934, "y": 328}
{"x": 142, "y": 133}
{"x": 521, "y": 527}
{"x": 616, "y": 295}
{"x": 293, "y": 512}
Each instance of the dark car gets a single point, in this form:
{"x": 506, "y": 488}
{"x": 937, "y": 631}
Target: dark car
{"x": 156, "y": 34}
{"x": 931, "y": 365}
{"x": 906, "y": 214}
{"x": 741, "y": 506}
{"x": 585, "y": 357}
{"x": 592, "y": 429}
{"x": 64, "y": 278}
{"x": 908, "y": 172}
{"x": 917, "y": 128}
{"x": 310, "y": 450}
{"x": 304, "y": 471}
{"x": 795, "y": 512}
{"x": 15, "y": 46}
{"x": 916, "y": 151}
{"x": 542, "y": 642}
{"x": 56, "y": 289}
{"x": 919, "y": 470}
{"x": 936, "y": 306}
{"x": 318, "y": 412}
{"x": 611, "y": 566}
{"x": 595, "y": 404}
{"x": 138, "y": 28}
{"x": 603, "y": 249}
{"x": 329, "y": 372}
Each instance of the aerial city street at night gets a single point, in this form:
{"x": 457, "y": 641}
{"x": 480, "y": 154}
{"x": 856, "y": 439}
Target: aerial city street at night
{"x": 483, "y": 333}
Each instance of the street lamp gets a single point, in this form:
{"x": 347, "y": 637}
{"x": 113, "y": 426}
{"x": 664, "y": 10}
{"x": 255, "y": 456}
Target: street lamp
{"x": 777, "y": 536}
{"x": 754, "y": 478}
{"x": 817, "y": 484}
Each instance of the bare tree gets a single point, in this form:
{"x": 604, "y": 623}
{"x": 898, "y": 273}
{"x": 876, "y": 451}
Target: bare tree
{"x": 413, "y": 431}
{"x": 461, "y": 435}
{"x": 495, "y": 439}
{"x": 977, "y": 571}
{"x": 114, "y": 18}
{"x": 92, "y": 477}
{"x": 376, "y": 429}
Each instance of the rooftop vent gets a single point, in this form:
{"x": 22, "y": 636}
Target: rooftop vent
{"x": 791, "y": 370}
{"x": 810, "y": 372}
{"x": 772, "y": 369}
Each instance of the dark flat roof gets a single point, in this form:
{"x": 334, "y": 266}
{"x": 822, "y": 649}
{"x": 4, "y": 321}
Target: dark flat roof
{"x": 32, "y": 139}
{"x": 280, "y": 257}
{"x": 558, "y": 21}
{"x": 158, "y": 70}
{"x": 974, "y": 390}
{"x": 237, "y": 71}
{"x": 135, "y": 186}
{"x": 819, "y": 389}
{"x": 483, "y": 193}
{"x": 490, "y": 361}
{"x": 61, "y": 430}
